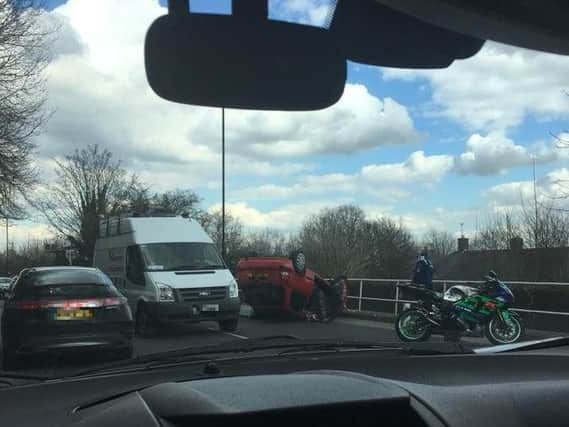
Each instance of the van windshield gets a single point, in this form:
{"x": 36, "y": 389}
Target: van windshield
{"x": 180, "y": 256}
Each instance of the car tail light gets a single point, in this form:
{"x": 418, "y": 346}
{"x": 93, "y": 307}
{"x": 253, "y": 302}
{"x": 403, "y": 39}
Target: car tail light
{"x": 285, "y": 273}
{"x": 490, "y": 305}
{"x": 69, "y": 304}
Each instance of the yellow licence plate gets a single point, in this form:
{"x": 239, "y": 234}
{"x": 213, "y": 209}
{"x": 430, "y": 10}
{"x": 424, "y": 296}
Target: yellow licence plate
{"x": 74, "y": 314}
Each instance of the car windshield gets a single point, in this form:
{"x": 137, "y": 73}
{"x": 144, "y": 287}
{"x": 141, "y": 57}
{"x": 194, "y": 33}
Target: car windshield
{"x": 180, "y": 256}
{"x": 385, "y": 217}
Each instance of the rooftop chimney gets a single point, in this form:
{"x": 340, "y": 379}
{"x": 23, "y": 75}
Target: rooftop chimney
{"x": 462, "y": 244}
{"x": 516, "y": 244}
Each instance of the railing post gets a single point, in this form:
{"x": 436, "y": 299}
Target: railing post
{"x": 444, "y": 287}
{"x": 361, "y": 295}
{"x": 396, "y": 298}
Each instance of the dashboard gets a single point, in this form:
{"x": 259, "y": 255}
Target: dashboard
{"x": 361, "y": 388}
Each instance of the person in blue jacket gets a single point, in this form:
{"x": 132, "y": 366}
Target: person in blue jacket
{"x": 424, "y": 269}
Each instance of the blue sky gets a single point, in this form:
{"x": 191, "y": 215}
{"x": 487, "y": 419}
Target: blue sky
{"x": 432, "y": 148}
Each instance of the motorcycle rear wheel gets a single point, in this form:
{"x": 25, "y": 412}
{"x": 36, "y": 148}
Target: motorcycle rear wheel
{"x": 499, "y": 334}
{"x": 412, "y": 326}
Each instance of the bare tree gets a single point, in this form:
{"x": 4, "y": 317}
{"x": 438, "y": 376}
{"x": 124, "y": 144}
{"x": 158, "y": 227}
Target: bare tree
{"x": 440, "y": 243}
{"x": 89, "y": 186}
{"x": 540, "y": 226}
{"x": 31, "y": 253}
{"x": 177, "y": 202}
{"x": 544, "y": 226}
{"x": 266, "y": 243}
{"x": 342, "y": 241}
{"x": 389, "y": 249}
{"x": 133, "y": 196}
{"x": 234, "y": 235}
{"x": 24, "y": 53}
{"x": 332, "y": 240}
{"x": 497, "y": 231}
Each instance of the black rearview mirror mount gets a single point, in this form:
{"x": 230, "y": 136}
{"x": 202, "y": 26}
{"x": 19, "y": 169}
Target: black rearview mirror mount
{"x": 244, "y": 60}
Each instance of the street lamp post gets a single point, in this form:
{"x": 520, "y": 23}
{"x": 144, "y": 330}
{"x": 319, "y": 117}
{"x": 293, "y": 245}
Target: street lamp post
{"x": 6, "y": 257}
{"x": 223, "y": 183}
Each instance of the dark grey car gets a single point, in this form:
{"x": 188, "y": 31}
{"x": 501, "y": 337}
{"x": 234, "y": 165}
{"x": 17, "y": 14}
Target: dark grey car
{"x": 62, "y": 309}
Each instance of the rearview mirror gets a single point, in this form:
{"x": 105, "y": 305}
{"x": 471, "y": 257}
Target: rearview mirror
{"x": 240, "y": 61}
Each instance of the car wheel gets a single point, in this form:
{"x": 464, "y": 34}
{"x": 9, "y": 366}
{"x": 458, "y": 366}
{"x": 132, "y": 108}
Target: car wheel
{"x": 143, "y": 326}
{"x": 299, "y": 262}
{"x": 229, "y": 325}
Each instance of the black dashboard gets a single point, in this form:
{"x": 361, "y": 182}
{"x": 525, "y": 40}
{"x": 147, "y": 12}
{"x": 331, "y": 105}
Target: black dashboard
{"x": 362, "y": 388}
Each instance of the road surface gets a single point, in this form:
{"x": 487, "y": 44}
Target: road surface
{"x": 208, "y": 334}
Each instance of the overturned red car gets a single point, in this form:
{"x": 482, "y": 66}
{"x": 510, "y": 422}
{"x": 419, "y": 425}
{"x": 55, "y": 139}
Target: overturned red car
{"x": 281, "y": 285}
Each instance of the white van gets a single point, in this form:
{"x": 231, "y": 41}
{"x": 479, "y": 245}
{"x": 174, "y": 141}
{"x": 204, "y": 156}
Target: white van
{"x": 169, "y": 270}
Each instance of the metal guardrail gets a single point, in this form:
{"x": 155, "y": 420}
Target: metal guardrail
{"x": 360, "y": 298}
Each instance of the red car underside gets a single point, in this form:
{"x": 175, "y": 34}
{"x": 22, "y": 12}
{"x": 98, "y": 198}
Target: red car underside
{"x": 271, "y": 285}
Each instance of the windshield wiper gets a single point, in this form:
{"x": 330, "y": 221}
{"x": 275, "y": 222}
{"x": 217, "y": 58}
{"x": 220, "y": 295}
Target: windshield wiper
{"x": 282, "y": 344}
{"x": 187, "y": 354}
{"x": 419, "y": 349}
{"x": 194, "y": 267}
{"x": 525, "y": 345}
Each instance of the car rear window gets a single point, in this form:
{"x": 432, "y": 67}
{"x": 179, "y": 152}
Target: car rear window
{"x": 61, "y": 277}
{"x": 67, "y": 284}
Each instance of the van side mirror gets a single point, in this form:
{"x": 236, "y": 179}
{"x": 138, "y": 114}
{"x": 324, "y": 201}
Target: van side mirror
{"x": 134, "y": 274}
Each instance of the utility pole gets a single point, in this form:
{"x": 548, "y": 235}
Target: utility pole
{"x": 223, "y": 183}
{"x": 536, "y": 224}
{"x": 6, "y": 257}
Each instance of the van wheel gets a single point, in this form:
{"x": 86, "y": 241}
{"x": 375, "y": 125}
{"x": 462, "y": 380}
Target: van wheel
{"x": 228, "y": 325}
{"x": 143, "y": 326}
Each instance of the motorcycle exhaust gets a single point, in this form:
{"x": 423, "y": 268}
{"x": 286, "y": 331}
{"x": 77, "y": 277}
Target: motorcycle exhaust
{"x": 430, "y": 319}
{"x": 433, "y": 321}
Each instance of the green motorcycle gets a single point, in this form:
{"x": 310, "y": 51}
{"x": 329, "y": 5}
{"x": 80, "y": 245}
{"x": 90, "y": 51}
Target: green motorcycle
{"x": 461, "y": 310}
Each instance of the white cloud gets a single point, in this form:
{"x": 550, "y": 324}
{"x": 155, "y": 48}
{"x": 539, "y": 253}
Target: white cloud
{"x": 357, "y": 122}
{"x": 23, "y": 231}
{"x": 287, "y": 218}
{"x": 309, "y": 185}
{"x": 417, "y": 168}
{"x": 498, "y": 87}
{"x": 387, "y": 182}
{"x": 496, "y": 153}
{"x": 553, "y": 188}
{"x": 509, "y": 194}
{"x": 290, "y": 217}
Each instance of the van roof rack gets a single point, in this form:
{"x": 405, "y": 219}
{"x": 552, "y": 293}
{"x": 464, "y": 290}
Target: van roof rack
{"x": 156, "y": 212}
{"x": 112, "y": 225}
